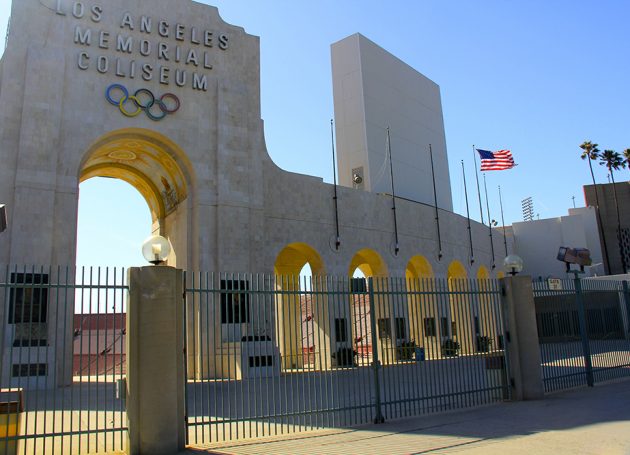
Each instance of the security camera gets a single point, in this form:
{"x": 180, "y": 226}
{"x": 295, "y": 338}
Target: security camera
{"x": 357, "y": 179}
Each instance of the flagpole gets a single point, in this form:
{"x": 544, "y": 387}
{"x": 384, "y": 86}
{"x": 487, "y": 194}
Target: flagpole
{"x": 478, "y": 190}
{"x": 391, "y": 172}
{"x": 437, "y": 213}
{"x": 472, "y": 254}
{"x": 332, "y": 140}
{"x": 503, "y": 222}
{"x": 489, "y": 223}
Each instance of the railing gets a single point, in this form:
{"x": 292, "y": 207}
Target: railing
{"x": 583, "y": 332}
{"x": 63, "y": 351}
{"x": 269, "y": 355}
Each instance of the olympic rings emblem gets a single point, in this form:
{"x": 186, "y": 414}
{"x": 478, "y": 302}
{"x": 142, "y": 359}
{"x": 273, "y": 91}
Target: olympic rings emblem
{"x": 142, "y": 100}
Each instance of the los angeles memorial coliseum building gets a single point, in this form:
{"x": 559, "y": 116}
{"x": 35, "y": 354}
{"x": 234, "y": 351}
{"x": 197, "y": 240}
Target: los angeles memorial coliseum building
{"x": 166, "y": 96}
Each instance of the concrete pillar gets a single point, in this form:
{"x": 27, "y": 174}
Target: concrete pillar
{"x": 522, "y": 338}
{"x": 155, "y": 361}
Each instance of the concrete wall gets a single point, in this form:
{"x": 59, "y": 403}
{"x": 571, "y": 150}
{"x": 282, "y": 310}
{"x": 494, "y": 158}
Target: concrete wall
{"x": 374, "y": 90}
{"x": 537, "y": 242}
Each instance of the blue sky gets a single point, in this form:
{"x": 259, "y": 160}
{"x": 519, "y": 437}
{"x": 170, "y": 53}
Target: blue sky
{"x": 536, "y": 77}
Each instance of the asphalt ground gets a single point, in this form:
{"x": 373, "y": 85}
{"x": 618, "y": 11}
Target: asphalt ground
{"x": 581, "y": 421}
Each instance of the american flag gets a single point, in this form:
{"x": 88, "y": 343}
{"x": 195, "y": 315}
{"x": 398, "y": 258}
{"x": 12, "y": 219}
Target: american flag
{"x": 497, "y": 161}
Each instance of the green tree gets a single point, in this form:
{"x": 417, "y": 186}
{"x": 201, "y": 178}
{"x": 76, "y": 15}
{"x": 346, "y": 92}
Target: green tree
{"x": 613, "y": 161}
{"x": 591, "y": 153}
{"x": 626, "y": 155}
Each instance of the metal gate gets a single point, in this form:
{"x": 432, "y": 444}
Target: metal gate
{"x": 63, "y": 351}
{"x": 268, "y": 355}
{"x": 583, "y": 331}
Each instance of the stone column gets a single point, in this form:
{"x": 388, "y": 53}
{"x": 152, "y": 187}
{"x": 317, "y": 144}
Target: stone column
{"x": 155, "y": 361}
{"x": 522, "y": 338}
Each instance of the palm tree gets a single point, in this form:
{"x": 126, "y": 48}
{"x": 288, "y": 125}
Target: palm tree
{"x": 626, "y": 155}
{"x": 591, "y": 153}
{"x": 613, "y": 161}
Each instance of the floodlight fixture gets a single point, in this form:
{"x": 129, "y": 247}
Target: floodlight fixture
{"x": 577, "y": 256}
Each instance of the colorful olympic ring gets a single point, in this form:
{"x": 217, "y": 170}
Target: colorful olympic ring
{"x": 142, "y": 100}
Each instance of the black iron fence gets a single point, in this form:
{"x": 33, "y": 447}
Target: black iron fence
{"x": 583, "y": 331}
{"x": 268, "y": 355}
{"x": 63, "y": 349}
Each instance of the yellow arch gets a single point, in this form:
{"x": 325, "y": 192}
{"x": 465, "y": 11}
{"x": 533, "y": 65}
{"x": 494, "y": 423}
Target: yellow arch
{"x": 369, "y": 262}
{"x": 483, "y": 273}
{"x": 149, "y": 161}
{"x": 457, "y": 270}
{"x": 419, "y": 267}
{"x": 295, "y": 256}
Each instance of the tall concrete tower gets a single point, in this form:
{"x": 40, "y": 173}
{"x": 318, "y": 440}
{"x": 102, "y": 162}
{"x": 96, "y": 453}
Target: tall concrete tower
{"x": 374, "y": 90}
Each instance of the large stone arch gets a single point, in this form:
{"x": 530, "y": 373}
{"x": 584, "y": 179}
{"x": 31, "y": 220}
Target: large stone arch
{"x": 161, "y": 172}
{"x": 428, "y": 311}
{"x": 369, "y": 262}
{"x": 300, "y": 318}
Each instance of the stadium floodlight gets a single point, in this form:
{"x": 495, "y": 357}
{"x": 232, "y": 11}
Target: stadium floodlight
{"x": 578, "y": 256}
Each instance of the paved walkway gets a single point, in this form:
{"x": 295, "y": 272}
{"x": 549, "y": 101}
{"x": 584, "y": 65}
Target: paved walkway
{"x": 584, "y": 421}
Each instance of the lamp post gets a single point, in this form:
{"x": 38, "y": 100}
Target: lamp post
{"x": 513, "y": 264}
{"x": 156, "y": 249}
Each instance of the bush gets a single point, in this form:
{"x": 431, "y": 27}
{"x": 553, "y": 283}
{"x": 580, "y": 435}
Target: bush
{"x": 450, "y": 348}
{"x": 406, "y": 350}
{"x": 483, "y": 343}
{"x": 344, "y": 357}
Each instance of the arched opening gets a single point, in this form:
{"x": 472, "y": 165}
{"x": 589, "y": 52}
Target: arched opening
{"x": 428, "y": 315}
{"x": 354, "y": 320}
{"x": 158, "y": 169}
{"x": 482, "y": 273}
{"x": 302, "y": 321}
{"x": 461, "y": 315}
{"x": 486, "y": 321}
{"x": 113, "y": 221}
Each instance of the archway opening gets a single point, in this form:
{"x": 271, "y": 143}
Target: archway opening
{"x": 302, "y": 321}
{"x": 354, "y": 319}
{"x": 461, "y": 312}
{"x": 113, "y": 221}
{"x": 158, "y": 169}
{"x": 428, "y": 314}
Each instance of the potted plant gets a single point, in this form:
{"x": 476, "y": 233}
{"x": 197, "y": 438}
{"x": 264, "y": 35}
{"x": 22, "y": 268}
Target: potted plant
{"x": 344, "y": 357}
{"x": 450, "y": 348}
{"x": 405, "y": 350}
{"x": 483, "y": 343}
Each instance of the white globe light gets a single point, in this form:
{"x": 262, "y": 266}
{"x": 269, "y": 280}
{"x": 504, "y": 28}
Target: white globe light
{"x": 156, "y": 249}
{"x": 513, "y": 264}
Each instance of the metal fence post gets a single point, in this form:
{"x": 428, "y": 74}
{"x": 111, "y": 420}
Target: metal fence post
{"x": 582, "y": 320}
{"x": 378, "y": 418}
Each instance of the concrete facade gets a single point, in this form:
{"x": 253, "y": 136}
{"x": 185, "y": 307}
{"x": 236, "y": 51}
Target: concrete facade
{"x": 537, "y": 242}
{"x": 374, "y": 91}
